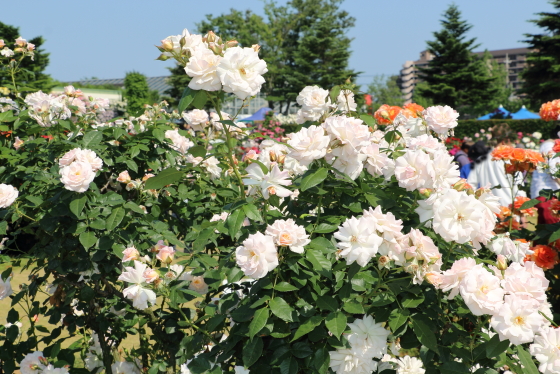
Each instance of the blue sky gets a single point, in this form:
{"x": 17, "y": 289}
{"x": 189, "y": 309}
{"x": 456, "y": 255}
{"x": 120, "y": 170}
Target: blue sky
{"x": 106, "y": 39}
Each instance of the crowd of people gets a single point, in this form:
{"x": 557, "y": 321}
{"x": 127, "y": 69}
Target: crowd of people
{"x": 480, "y": 169}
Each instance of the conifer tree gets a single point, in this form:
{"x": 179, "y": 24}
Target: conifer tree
{"x": 541, "y": 77}
{"x": 455, "y": 76}
{"x": 136, "y": 92}
{"x": 33, "y": 77}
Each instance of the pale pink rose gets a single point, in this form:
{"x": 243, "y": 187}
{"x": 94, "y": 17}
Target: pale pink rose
{"x": 2, "y": 44}
{"x": 197, "y": 119}
{"x": 130, "y": 254}
{"x": 434, "y": 278}
{"x": 86, "y": 155}
{"x": 124, "y": 177}
{"x": 202, "y": 68}
{"x": 77, "y": 176}
{"x": 482, "y": 291}
{"x": 251, "y": 155}
{"x": 150, "y": 275}
{"x": 287, "y": 234}
{"x": 147, "y": 176}
{"x": 517, "y": 320}
{"x": 441, "y": 119}
{"x": 198, "y": 285}
{"x": 8, "y": 194}
{"x": 69, "y": 157}
{"x": 165, "y": 254}
{"x": 257, "y": 256}
{"x": 414, "y": 170}
{"x": 453, "y": 277}
{"x": 20, "y": 42}
{"x": 18, "y": 143}
{"x": 520, "y": 281}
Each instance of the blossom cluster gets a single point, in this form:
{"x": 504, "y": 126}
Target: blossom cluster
{"x": 143, "y": 279}
{"x": 517, "y": 159}
{"x": 315, "y": 102}
{"x": 48, "y": 109}
{"x": 259, "y": 253}
{"x": 78, "y": 168}
{"x": 550, "y": 111}
{"x": 35, "y": 363}
{"x": 20, "y": 46}
{"x": 214, "y": 65}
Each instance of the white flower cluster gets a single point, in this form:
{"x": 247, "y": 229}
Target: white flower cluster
{"x": 21, "y": 46}
{"x": 8, "y": 194}
{"x": 515, "y": 298}
{"x": 35, "y": 363}
{"x": 78, "y": 168}
{"x": 214, "y": 65}
{"x": 512, "y": 250}
{"x": 361, "y": 239}
{"x": 316, "y": 102}
{"x": 48, "y": 109}
{"x": 258, "y": 255}
{"x": 368, "y": 341}
{"x": 180, "y": 142}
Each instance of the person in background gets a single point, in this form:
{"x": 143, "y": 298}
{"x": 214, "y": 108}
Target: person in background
{"x": 486, "y": 172}
{"x": 545, "y": 181}
{"x": 462, "y": 158}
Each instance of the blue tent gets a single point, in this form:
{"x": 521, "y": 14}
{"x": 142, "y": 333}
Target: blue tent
{"x": 523, "y": 113}
{"x": 501, "y": 110}
{"x": 258, "y": 115}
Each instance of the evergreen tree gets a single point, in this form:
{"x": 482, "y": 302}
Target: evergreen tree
{"x": 455, "y": 76}
{"x": 500, "y": 84}
{"x": 385, "y": 90}
{"x": 136, "y": 92}
{"x": 541, "y": 79}
{"x": 32, "y": 77}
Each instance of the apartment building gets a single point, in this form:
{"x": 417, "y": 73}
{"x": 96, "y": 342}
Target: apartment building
{"x": 514, "y": 60}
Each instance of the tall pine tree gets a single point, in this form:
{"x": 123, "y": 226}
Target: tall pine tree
{"x": 541, "y": 77}
{"x": 455, "y": 76}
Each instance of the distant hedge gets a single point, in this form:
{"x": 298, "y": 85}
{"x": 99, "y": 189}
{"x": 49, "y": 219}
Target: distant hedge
{"x": 469, "y": 127}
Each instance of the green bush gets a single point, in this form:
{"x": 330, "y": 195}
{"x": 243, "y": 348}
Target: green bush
{"x": 468, "y": 127}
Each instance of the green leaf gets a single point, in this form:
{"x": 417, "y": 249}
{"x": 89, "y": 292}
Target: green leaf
{"x": 186, "y": 99}
{"x": 134, "y": 207}
{"x": 98, "y": 224}
{"x": 397, "y": 318}
{"x": 289, "y": 366}
{"x": 313, "y": 179}
{"x": 87, "y": 239}
{"x": 234, "y": 222}
{"x": 92, "y": 138}
{"x": 412, "y": 301}
{"x": 335, "y": 91}
{"x": 3, "y": 227}
{"x": 424, "y": 333}
{"x": 77, "y": 204}
{"x": 252, "y": 351}
{"x": 165, "y": 177}
{"x": 495, "y": 347}
{"x": 132, "y": 165}
{"x": 324, "y": 228}
{"x": 353, "y": 307}
{"x": 115, "y": 218}
{"x": 285, "y": 287}
{"x": 529, "y": 204}
{"x": 527, "y": 361}
{"x": 200, "y": 99}
{"x": 368, "y": 119}
{"x": 318, "y": 260}
{"x": 197, "y": 151}
{"x": 327, "y": 303}
{"x": 555, "y": 236}
{"x": 454, "y": 367}
{"x": 36, "y": 200}
{"x": 281, "y": 309}
{"x": 336, "y": 323}
{"x": 252, "y": 212}
{"x": 307, "y": 327}
{"x": 258, "y": 322}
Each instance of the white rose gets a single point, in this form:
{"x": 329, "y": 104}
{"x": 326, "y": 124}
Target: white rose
{"x": 314, "y": 103}
{"x": 69, "y": 157}
{"x": 202, "y": 68}
{"x": 441, "y": 119}
{"x": 257, "y": 256}
{"x": 8, "y": 195}
{"x": 287, "y": 233}
{"x": 77, "y": 176}
{"x": 5, "y": 288}
{"x": 86, "y": 155}
{"x": 241, "y": 71}
{"x": 308, "y": 144}
{"x": 196, "y": 118}
{"x": 346, "y": 102}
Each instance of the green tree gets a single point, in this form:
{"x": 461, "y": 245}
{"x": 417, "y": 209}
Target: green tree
{"x": 385, "y": 90}
{"x": 33, "y": 77}
{"x": 455, "y": 76}
{"x": 541, "y": 82}
{"x": 500, "y": 84}
{"x": 136, "y": 92}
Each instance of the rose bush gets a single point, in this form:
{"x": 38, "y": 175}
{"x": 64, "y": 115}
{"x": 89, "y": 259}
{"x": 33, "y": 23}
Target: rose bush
{"x": 342, "y": 248}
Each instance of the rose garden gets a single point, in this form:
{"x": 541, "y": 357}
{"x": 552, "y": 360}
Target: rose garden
{"x": 345, "y": 243}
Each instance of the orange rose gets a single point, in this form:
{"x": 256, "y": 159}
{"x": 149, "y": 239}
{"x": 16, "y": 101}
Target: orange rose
{"x": 550, "y": 111}
{"x": 556, "y": 147}
{"x": 502, "y": 152}
{"x": 386, "y": 114}
{"x": 544, "y": 256}
{"x": 412, "y": 110}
